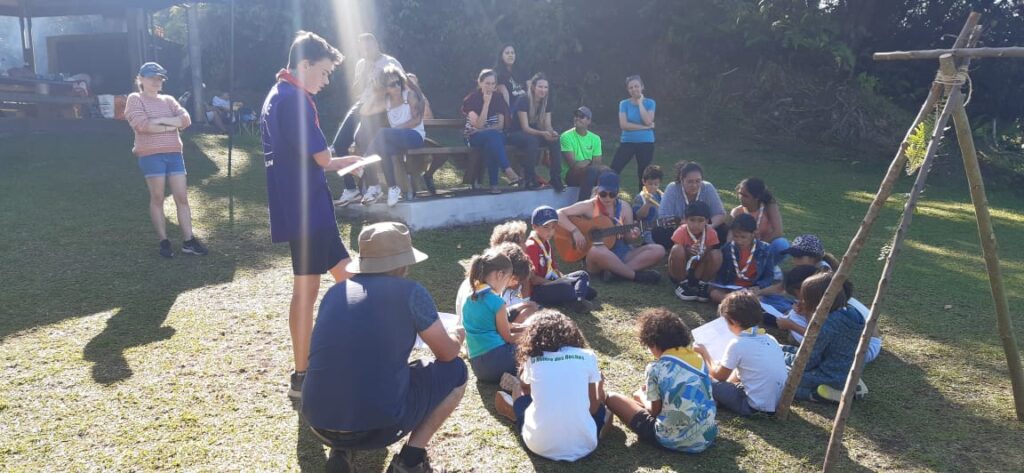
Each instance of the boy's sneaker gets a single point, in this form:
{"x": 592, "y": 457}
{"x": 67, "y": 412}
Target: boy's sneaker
{"x": 582, "y": 305}
{"x": 165, "y": 249}
{"x": 508, "y": 383}
{"x": 703, "y": 291}
{"x": 398, "y": 466}
{"x": 394, "y": 194}
{"x": 348, "y": 196}
{"x": 647, "y": 276}
{"x": 194, "y": 247}
{"x": 295, "y": 391}
{"x": 826, "y": 393}
{"x": 372, "y": 195}
{"x": 687, "y": 291}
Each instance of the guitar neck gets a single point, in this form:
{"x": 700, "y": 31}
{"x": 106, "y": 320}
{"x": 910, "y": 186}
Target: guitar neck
{"x": 606, "y": 232}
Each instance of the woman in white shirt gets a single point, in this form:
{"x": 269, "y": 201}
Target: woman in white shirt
{"x": 404, "y": 104}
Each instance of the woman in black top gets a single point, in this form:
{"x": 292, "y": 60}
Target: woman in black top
{"x": 510, "y": 75}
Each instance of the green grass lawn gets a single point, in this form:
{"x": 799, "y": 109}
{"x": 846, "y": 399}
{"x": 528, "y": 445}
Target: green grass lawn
{"x": 115, "y": 359}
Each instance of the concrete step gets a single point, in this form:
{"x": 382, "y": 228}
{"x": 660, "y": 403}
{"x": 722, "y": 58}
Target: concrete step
{"x": 459, "y": 207}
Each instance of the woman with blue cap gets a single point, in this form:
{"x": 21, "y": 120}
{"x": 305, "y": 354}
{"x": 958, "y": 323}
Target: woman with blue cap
{"x": 157, "y": 120}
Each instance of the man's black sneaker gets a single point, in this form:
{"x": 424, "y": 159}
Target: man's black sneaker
{"x": 647, "y": 276}
{"x": 165, "y": 249}
{"x": 339, "y": 461}
{"x": 194, "y": 247}
{"x": 295, "y": 392}
{"x": 703, "y": 292}
{"x": 686, "y": 291}
{"x": 397, "y": 466}
{"x": 557, "y": 186}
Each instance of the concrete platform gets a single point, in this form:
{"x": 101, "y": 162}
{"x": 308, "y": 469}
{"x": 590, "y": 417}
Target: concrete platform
{"x": 465, "y": 207}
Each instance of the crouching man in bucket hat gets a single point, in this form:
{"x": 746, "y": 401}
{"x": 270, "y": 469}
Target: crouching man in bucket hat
{"x": 361, "y": 392}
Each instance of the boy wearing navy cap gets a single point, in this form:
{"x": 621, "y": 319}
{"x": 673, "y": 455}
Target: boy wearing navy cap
{"x": 548, "y": 286}
{"x": 620, "y": 260}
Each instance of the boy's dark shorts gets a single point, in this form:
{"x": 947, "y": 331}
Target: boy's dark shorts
{"x": 317, "y": 253}
{"x": 429, "y": 385}
{"x": 642, "y": 424}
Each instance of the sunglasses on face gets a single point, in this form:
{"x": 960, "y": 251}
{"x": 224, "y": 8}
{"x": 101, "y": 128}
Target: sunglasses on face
{"x": 607, "y": 195}
{"x": 395, "y": 83}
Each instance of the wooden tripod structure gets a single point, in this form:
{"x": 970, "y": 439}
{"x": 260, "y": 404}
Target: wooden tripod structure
{"x": 945, "y": 90}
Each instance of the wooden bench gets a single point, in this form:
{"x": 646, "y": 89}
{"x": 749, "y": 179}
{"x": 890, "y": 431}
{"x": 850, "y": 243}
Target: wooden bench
{"x": 433, "y": 155}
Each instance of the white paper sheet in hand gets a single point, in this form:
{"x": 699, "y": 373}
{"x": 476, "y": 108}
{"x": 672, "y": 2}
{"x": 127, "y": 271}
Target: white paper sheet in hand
{"x": 373, "y": 158}
{"x": 772, "y": 311}
{"x": 715, "y": 336}
{"x": 448, "y": 321}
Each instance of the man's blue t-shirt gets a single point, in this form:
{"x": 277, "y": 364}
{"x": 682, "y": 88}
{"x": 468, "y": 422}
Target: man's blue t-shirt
{"x": 632, "y": 112}
{"x": 478, "y": 318}
{"x": 358, "y": 375}
{"x": 297, "y": 193}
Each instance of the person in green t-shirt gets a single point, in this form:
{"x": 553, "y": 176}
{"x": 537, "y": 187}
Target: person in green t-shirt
{"x": 581, "y": 150}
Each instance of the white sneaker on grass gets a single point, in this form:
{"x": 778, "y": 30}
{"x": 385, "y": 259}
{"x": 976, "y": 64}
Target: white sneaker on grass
{"x": 372, "y": 195}
{"x": 394, "y": 194}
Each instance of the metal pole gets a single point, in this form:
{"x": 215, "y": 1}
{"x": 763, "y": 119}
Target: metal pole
{"x": 195, "y": 58}
{"x": 232, "y": 112}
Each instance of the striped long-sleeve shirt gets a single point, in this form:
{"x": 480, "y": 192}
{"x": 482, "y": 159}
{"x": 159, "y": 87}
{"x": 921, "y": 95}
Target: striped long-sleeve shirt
{"x": 140, "y": 109}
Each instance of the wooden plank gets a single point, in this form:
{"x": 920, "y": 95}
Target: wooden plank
{"x": 1015, "y": 51}
{"x": 439, "y": 150}
{"x": 38, "y": 99}
{"x": 444, "y": 123}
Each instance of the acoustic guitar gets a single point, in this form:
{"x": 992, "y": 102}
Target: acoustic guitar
{"x": 600, "y": 229}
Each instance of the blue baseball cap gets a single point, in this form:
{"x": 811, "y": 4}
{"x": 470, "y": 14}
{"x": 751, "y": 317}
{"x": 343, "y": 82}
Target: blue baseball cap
{"x": 151, "y": 69}
{"x": 608, "y": 181}
{"x": 543, "y": 215}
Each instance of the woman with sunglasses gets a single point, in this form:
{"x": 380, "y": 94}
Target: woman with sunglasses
{"x": 621, "y": 261}
{"x": 486, "y": 114}
{"x": 404, "y": 104}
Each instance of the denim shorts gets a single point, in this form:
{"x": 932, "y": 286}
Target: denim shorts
{"x": 162, "y": 164}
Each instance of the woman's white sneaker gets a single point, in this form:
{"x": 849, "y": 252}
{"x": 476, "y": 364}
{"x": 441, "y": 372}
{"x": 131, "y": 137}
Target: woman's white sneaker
{"x": 372, "y": 195}
{"x": 394, "y": 194}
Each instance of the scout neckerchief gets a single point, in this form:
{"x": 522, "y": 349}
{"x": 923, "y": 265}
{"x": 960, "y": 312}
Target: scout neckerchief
{"x": 284, "y": 75}
{"x": 648, "y": 197}
{"x": 599, "y": 207}
{"x": 700, "y": 249}
{"x": 551, "y": 274}
{"x": 741, "y": 273}
{"x": 687, "y": 355}
{"x": 752, "y": 331}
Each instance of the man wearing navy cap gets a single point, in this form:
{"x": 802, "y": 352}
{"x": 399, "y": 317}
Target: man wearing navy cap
{"x": 581, "y": 149}
{"x": 621, "y": 260}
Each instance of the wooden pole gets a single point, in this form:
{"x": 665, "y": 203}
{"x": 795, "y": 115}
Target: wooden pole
{"x": 1014, "y": 51}
{"x": 991, "y": 251}
{"x": 853, "y": 251}
{"x": 846, "y": 403}
{"x": 195, "y": 59}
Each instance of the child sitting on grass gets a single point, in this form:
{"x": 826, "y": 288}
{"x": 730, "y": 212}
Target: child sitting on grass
{"x": 832, "y": 356}
{"x": 558, "y": 406}
{"x": 648, "y": 201}
{"x": 806, "y": 250}
{"x": 510, "y": 239}
{"x": 489, "y": 329}
{"x": 675, "y": 408}
{"x": 754, "y": 359}
{"x": 695, "y": 258}
{"x": 548, "y": 286}
{"x": 784, "y": 303}
{"x": 796, "y": 319}
{"x": 746, "y": 261}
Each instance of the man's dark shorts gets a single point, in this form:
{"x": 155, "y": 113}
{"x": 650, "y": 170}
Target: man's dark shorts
{"x": 317, "y": 254}
{"x": 428, "y": 386}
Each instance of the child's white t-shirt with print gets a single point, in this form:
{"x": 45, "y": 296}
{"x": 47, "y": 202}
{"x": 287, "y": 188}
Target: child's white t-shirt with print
{"x": 558, "y": 424}
{"x": 761, "y": 366}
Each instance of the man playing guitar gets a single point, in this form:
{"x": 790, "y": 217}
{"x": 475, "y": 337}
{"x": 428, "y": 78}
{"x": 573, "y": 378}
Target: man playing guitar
{"x": 620, "y": 260}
